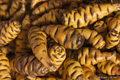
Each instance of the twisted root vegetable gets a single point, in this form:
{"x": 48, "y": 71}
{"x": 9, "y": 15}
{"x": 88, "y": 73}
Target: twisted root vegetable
{"x": 109, "y": 68}
{"x": 91, "y": 56}
{"x": 88, "y": 14}
{"x": 47, "y": 6}
{"x": 9, "y": 32}
{"x": 72, "y": 69}
{"x": 53, "y": 57}
{"x": 38, "y": 42}
{"x": 69, "y": 37}
{"x": 52, "y": 17}
{"x": 28, "y": 65}
{"x": 4, "y": 67}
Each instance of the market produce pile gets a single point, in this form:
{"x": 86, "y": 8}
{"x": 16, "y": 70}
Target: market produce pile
{"x": 59, "y": 40}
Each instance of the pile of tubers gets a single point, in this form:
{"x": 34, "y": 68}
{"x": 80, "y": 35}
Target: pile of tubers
{"x": 59, "y": 40}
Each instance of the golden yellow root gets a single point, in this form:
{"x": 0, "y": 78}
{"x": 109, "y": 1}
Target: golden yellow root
{"x": 72, "y": 69}
{"x": 88, "y": 14}
{"x": 52, "y": 17}
{"x": 9, "y": 32}
{"x": 4, "y": 67}
{"x": 47, "y": 6}
{"x": 28, "y": 65}
{"x": 90, "y": 56}
{"x": 38, "y": 42}
{"x": 108, "y": 67}
{"x": 68, "y": 37}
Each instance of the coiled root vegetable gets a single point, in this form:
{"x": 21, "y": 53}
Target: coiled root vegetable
{"x": 28, "y": 65}
{"x": 9, "y": 32}
{"x": 93, "y": 38}
{"x": 112, "y": 39}
{"x": 53, "y": 57}
{"x": 52, "y": 17}
{"x": 57, "y": 55}
{"x": 109, "y": 68}
{"x": 22, "y": 42}
{"x": 73, "y": 69}
{"x": 38, "y": 42}
{"x": 89, "y": 74}
{"x": 68, "y": 37}
{"x": 4, "y": 67}
{"x": 47, "y": 6}
{"x": 91, "y": 56}
{"x": 88, "y": 14}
